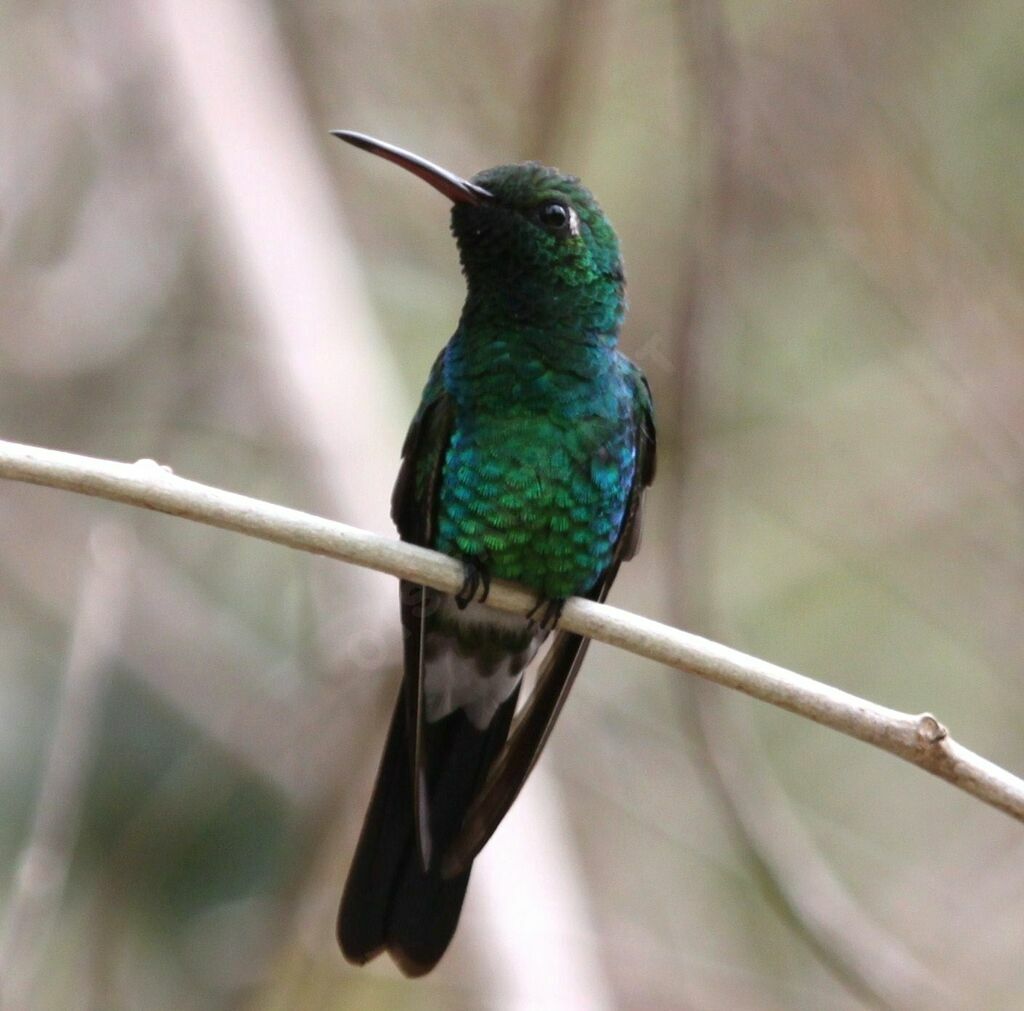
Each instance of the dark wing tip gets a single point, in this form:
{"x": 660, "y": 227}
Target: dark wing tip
{"x": 410, "y": 966}
{"x": 356, "y": 954}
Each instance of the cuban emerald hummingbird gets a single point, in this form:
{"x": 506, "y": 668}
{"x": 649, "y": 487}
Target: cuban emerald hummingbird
{"x": 527, "y": 459}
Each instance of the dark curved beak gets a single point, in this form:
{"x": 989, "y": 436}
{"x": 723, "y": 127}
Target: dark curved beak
{"x": 456, "y": 189}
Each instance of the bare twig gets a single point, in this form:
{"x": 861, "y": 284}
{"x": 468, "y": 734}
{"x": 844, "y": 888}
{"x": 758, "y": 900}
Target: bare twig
{"x": 46, "y": 858}
{"x": 919, "y": 739}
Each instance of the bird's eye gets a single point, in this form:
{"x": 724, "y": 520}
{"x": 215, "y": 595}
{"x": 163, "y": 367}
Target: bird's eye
{"x": 554, "y": 215}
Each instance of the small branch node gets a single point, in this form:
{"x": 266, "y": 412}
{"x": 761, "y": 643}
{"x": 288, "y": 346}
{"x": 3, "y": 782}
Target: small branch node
{"x": 929, "y": 730}
{"x": 152, "y": 466}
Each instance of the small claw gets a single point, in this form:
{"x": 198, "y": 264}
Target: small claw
{"x": 553, "y": 613}
{"x": 468, "y": 589}
{"x": 476, "y": 575}
{"x": 550, "y": 610}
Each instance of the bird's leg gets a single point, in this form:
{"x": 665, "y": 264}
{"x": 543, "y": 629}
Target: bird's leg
{"x": 476, "y": 575}
{"x": 545, "y": 614}
{"x": 485, "y": 579}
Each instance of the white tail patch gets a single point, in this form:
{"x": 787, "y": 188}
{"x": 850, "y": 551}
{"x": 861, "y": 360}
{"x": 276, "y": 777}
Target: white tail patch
{"x": 453, "y": 680}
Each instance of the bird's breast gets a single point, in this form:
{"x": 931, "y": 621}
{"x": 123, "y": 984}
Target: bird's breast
{"x": 539, "y": 498}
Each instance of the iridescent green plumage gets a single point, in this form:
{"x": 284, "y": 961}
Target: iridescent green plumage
{"x": 541, "y": 455}
{"x": 527, "y": 458}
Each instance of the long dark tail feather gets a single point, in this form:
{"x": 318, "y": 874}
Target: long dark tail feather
{"x": 390, "y": 902}
{"x": 508, "y": 773}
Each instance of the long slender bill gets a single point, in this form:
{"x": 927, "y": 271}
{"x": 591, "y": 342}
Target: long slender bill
{"x": 455, "y": 188}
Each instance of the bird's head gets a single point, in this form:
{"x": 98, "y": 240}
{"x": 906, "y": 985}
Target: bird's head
{"x": 534, "y": 244}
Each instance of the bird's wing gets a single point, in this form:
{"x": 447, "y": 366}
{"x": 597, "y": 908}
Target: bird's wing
{"x": 414, "y": 511}
{"x": 414, "y": 498}
{"x": 557, "y": 672}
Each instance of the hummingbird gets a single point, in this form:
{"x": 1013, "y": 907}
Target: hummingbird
{"x": 527, "y": 460}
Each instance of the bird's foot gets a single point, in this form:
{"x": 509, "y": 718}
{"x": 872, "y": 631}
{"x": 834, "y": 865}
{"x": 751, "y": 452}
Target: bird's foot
{"x": 546, "y": 613}
{"x": 476, "y": 575}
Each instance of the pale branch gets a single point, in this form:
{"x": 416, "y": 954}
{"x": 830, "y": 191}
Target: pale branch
{"x": 919, "y": 739}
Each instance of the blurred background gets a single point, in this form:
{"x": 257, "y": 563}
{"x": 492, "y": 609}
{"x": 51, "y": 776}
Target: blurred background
{"x": 819, "y": 205}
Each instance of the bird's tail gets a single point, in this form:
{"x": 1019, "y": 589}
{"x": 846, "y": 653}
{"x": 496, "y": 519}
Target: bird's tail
{"x": 390, "y": 902}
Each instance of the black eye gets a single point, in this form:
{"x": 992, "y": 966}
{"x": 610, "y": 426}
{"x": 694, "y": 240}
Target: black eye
{"x": 553, "y": 215}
